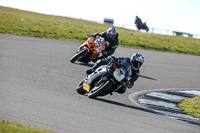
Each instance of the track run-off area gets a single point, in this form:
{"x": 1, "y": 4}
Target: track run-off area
{"x": 37, "y": 88}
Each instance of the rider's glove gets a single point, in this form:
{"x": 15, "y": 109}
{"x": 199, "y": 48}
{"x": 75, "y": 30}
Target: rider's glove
{"x": 129, "y": 84}
{"x": 110, "y": 59}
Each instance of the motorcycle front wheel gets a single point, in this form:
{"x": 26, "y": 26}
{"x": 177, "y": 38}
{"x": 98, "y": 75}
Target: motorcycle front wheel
{"x": 98, "y": 91}
{"x": 147, "y": 29}
{"x": 80, "y": 89}
{"x": 78, "y": 55}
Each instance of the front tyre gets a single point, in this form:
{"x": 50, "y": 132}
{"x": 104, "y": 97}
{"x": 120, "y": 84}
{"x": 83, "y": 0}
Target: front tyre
{"x": 98, "y": 91}
{"x": 78, "y": 55}
{"x": 147, "y": 29}
{"x": 80, "y": 89}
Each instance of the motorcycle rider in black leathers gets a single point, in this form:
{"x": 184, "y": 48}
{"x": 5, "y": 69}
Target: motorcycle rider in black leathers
{"x": 111, "y": 36}
{"x": 138, "y": 22}
{"x": 136, "y": 62}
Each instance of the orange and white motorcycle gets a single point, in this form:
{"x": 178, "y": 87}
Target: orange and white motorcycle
{"x": 90, "y": 50}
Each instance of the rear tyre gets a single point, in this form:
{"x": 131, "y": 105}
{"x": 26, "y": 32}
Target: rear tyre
{"x": 78, "y": 55}
{"x": 98, "y": 91}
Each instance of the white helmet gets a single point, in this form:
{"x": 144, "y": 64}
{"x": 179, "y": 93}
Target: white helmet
{"x": 111, "y": 33}
{"x": 136, "y": 60}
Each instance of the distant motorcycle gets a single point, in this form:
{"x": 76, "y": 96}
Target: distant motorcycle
{"x": 90, "y": 50}
{"x": 142, "y": 26}
{"x": 106, "y": 79}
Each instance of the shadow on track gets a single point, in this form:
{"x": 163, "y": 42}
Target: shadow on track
{"x": 147, "y": 77}
{"x": 84, "y": 64}
{"x": 125, "y": 105}
{"x": 189, "y": 120}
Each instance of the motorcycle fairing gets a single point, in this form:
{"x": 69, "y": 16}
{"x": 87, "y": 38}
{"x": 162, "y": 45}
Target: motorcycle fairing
{"x": 119, "y": 74}
{"x": 92, "y": 77}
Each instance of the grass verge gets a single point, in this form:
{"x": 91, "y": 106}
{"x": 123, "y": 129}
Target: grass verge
{"x": 8, "y": 127}
{"x": 191, "y": 106}
{"x": 14, "y": 21}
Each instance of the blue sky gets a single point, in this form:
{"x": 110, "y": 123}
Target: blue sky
{"x": 177, "y": 15}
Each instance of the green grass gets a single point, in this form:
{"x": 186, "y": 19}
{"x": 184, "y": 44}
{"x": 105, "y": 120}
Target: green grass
{"x": 13, "y": 21}
{"x": 191, "y": 106}
{"x": 8, "y": 127}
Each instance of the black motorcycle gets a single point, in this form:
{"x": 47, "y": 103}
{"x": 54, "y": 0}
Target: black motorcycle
{"x": 142, "y": 25}
{"x": 106, "y": 79}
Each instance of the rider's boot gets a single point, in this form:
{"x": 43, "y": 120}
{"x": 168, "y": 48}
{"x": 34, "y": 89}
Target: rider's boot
{"x": 98, "y": 64}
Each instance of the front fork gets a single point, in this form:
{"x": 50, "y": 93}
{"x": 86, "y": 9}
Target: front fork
{"x": 83, "y": 47}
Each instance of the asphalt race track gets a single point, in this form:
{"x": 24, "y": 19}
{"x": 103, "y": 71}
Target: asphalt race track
{"x": 37, "y": 88}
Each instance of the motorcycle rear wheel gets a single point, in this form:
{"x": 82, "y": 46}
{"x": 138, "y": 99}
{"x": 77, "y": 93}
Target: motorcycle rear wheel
{"x": 78, "y": 55}
{"x": 99, "y": 90}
